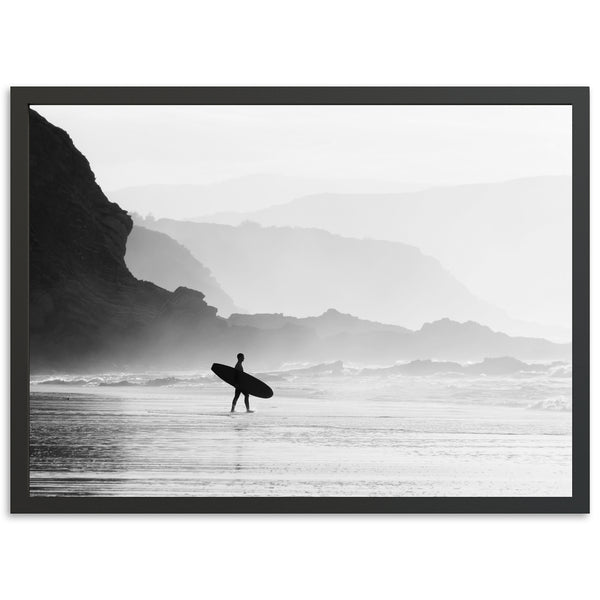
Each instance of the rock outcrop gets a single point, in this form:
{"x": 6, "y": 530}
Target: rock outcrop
{"x": 86, "y": 308}
{"x": 343, "y": 336}
{"x": 156, "y": 257}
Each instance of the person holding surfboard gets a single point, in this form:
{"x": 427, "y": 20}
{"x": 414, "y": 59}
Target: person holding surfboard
{"x": 242, "y": 382}
{"x": 239, "y": 369}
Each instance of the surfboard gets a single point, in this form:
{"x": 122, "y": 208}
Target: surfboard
{"x": 242, "y": 381}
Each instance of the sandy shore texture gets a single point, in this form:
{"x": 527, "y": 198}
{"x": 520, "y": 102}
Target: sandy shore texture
{"x": 331, "y": 437}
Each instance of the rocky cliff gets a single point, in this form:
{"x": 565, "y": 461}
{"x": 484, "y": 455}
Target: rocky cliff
{"x": 86, "y": 308}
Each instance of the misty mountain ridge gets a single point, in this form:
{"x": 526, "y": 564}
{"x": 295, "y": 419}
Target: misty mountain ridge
{"x": 334, "y": 335}
{"x": 389, "y": 282}
{"x": 248, "y": 192}
{"x": 331, "y": 322}
{"x": 154, "y": 256}
{"x": 506, "y": 241}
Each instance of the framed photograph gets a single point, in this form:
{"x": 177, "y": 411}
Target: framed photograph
{"x": 286, "y": 300}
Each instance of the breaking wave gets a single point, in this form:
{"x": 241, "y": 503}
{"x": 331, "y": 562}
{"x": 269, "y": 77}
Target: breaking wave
{"x": 558, "y": 403}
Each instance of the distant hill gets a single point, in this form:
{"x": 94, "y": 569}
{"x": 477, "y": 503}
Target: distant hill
{"x": 331, "y": 322}
{"x": 154, "y": 256}
{"x": 303, "y": 272}
{"x": 251, "y": 192}
{"x": 508, "y": 242}
{"x": 336, "y": 336}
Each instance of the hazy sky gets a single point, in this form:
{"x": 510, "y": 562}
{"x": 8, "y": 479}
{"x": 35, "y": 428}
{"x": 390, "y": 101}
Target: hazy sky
{"x": 137, "y": 145}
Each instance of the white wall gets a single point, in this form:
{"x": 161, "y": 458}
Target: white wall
{"x": 300, "y": 43}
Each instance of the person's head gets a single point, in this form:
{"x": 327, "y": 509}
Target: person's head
{"x": 240, "y": 357}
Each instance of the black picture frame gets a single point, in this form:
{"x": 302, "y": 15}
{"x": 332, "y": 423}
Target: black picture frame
{"x": 22, "y": 97}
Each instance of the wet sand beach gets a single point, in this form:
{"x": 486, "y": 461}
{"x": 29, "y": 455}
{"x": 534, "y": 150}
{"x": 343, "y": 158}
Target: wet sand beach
{"x": 326, "y": 438}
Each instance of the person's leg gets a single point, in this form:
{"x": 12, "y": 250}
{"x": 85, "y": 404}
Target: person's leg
{"x": 235, "y": 399}
{"x": 247, "y": 402}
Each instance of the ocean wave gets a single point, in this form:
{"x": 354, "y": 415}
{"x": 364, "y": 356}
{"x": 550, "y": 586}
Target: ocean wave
{"x": 63, "y": 382}
{"x": 127, "y": 380}
{"x": 558, "y": 403}
{"x": 565, "y": 371}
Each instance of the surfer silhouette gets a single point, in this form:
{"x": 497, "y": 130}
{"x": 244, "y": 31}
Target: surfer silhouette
{"x": 239, "y": 369}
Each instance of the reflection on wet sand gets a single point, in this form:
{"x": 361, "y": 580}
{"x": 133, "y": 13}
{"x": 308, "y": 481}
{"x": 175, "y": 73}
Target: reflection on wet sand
{"x": 386, "y": 441}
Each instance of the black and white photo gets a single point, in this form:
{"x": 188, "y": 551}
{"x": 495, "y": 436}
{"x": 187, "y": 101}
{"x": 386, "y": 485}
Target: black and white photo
{"x": 301, "y": 300}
